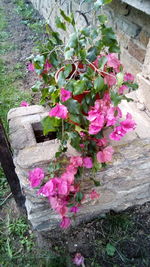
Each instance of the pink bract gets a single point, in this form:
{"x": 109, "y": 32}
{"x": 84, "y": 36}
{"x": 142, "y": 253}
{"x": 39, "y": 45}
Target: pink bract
{"x": 96, "y": 125}
{"x": 94, "y": 195}
{"x": 113, "y": 62}
{"x": 128, "y": 77}
{"x": 87, "y": 162}
{"x": 48, "y": 189}
{"x": 110, "y": 79}
{"x": 65, "y": 94}
{"x": 76, "y": 161}
{"x": 36, "y": 176}
{"x": 78, "y": 259}
{"x": 128, "y": 124}
{"x": 74, "y": 209}
{"x": 122, "y": 89}
{"x": 105, "y": 155}
{"x": 65, "y": 223}
{"x": 24, "y": 104}
{"x": 47, "y": 66}
{"x": 31, "y": 67}
{"x": 68, "y": 176}
{"x": 113, "y": 114}
{"x": 59, "y": 111}
{"x": 117, "y": 134}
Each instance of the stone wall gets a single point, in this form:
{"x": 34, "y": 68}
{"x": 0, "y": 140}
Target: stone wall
{"x": 123, "y": 184}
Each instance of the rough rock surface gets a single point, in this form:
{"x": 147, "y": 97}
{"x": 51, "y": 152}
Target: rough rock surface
{"x": 126, "y": 182}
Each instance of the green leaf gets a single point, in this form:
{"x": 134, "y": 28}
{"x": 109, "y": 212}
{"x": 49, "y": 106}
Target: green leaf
{"x": 67, "y": 70}
{"x": 99, "y": 3}
{"x": 119, "y": 77}
{"x": 75, "y": 140}
{"x": 60, "y": 24}
{"x": 56, "y": 37}
{"x": 36, "y": 86}
{"x": 50, "y": 124}
{"x": 98, "y": 84}
{"x": 69, "y": 53}
{"x": 75, "y": 118}
{"x": 102, "y": 61}
{"x": 61, "y": 79}
{"x": 55, "y": 96}
{"x": 82, "y": 54}
{"x": 79, "y": 87}
{"x": 114, "y": 48}
{"x": 72, "y": 20}
{"x": 73, "y": 41}
{"x": 110, "y": 250}
{"x": 102, "y": 19}
{"x": 79, "y": 129}
{"x": 73, "y": 106}
{"x": 79, "y": 197}
{"x": 53, "y": 59}
{"x": 134, "y": 86}
{"x": 96, "y": 183}
{"x": 116, "y": 98}
{"x": 86, "y": 31}
{"x": 66, "y": 18}
{"x": 92, "y": 54}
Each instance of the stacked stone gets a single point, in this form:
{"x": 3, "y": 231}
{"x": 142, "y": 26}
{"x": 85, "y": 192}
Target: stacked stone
{"x": 126, "y": 182}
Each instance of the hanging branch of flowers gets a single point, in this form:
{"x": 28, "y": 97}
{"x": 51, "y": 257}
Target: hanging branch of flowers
{"x": 83, "y": 83}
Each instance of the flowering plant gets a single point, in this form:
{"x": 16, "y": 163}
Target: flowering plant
{"x": 83, "y": 83}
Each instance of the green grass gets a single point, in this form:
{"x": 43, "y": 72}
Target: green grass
{"x": 28, "y": 15}
{"x": 10, "y": 95}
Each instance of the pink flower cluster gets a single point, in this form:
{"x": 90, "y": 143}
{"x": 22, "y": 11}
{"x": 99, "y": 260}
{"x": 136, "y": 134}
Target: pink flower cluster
{"x": 59, "y": 189}
{"x": 59, "y": 111}
{"x": 125, "y": 126}
{"x": 111, "y": 68}
{"x": 102, "y": 114}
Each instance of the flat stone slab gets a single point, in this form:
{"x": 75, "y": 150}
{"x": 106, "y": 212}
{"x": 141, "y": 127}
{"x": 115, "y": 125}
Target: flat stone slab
{"x": 124, "y": 183}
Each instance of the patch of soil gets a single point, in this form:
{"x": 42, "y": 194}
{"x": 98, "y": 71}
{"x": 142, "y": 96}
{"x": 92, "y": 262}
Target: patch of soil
{"x": 128, "y": 232}
{"x": 23, "y": 40}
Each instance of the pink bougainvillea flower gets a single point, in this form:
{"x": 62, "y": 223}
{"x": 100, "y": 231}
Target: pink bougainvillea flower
{"x": 113, "y": 62}
{"x": 122, "y": 89}
{"x": 96, "y": 125}
{"x": 36, "y": 176}
{"x": 113, "y": 114}
{"x": 87, "y": 162}
{"x": 110, "y": 79}
{"x": 74, "y": 209}
{"x": 62, "y": 210}
{"x": 47, "y": 66}
{"x": 117, "y": 134}
{"x": 65, "y": 223}
{"x": 76, "y": 161}
{"x": 59, "y": 111}
{"x": 31, "y": 67}
{"x": 24, "y": 104}
{"x": 78, "y": 259}
{"x": 101, "y": 142}
{"x": 63, "y": 187}
{"x": 82, "y": 134}
{"x": 94, "y": 194}
{"x": 65, "y": 94}
{"x": 48, "y": 189}
{"x": 68, "y": 176}
{"x": 82, "y": 145}
{"x": 128, "y": 124}
{"x": 128, "y": 77}
{"x": 71, "y": 169}
{"x": 105, "y": 155}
